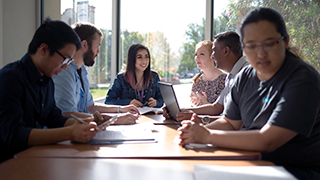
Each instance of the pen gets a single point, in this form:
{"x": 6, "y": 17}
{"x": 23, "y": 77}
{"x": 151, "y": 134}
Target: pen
{"x": 198, "y": 146}
{"x": 146, "y": 103}
{"x": 79, "y": 119}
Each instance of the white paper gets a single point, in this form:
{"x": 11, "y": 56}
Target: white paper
{"x": 206, "y": 172}
{"x": 141, "y": 131}
{"x": 145, "y": 109}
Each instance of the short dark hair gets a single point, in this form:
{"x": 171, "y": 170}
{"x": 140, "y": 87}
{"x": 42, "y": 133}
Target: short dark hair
{"x": 265, "y": 14}
{"x": 56, "y": 34}
{"x": 232, "y": 40}
{"x": 86, "y": 31}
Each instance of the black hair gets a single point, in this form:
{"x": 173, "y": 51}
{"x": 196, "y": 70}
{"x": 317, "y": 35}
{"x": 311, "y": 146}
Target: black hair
{"x": 265, "y": 14}
{"x": 232, "y": 40}
{"x": 56, "y": 34}
{"x": 272, "y": 16}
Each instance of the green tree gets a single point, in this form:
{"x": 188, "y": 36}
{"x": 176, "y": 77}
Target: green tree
{"x": 195, "y": 34}
{"x": 159, "y": 50}
{"x": 127, "y": 39}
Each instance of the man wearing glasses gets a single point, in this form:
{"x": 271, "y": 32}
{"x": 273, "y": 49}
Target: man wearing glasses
{"x": 28, "y": 114}
{"x": 72, "y": 92}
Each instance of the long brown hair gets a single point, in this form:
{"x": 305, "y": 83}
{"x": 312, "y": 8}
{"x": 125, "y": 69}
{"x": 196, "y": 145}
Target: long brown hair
{"x": 129, "y": 74}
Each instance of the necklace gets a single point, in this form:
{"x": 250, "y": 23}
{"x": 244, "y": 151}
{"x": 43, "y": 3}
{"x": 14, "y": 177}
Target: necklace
{"x": 138, "y": 86}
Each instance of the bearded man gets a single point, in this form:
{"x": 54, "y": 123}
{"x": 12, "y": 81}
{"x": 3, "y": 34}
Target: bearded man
{"x": 72, "y": 94}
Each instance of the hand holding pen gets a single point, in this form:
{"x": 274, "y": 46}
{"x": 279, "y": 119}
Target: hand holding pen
{"x": 81, "y": 130}
{"x": 82, "y": 120}
{"x": 151, "y": 102}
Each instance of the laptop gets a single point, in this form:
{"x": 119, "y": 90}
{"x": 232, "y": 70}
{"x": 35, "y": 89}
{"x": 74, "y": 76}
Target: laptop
{"x": 170, "y": 99}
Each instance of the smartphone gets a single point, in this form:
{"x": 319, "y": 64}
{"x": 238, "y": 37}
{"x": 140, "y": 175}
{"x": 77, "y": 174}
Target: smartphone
{"x": 108, "y": 121}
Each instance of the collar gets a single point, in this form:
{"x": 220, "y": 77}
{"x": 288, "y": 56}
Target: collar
{"x": 242, "y": 62}
{"x": 32, "y": 72}
{"x": 75, "y": 67}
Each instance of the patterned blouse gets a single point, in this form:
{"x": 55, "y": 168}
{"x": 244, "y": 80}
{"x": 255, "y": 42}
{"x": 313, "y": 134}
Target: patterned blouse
{"x": 211, "y": 88}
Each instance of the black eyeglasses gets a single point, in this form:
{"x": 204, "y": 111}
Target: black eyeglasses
{"x": 65, "y": 60}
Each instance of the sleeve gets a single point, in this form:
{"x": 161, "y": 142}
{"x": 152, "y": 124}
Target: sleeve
{"x": 298, "y": 107}
{"x": 66, "y": 90}
{"x": 55, "y": 119}
{"x": 158, "y": 95}
{"x": 221, "y": 98}
{"x": 13, "y": 130}
{"x": 231, "y": 107}
{"x": 114, "y": 94}
{"x": 220, "y": 87}
{"x": 90, "y": 101}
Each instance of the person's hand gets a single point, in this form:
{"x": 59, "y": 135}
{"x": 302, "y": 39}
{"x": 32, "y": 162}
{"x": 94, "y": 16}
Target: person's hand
{"x": 184, "y": 115}
{"x": 203, "y": 98}
{"x": 136, "y": 103}
{"x": 191, "y": 132}
{"x": 165, "y": 113}
{"x": 127, "y": 118}
{"x": 195, "y": 118}
{"x": 195, "y": 101}
{"x": 198, "y": 99}
{"x": 151, "y": 102}
{"x": 99, "y": 119}
{"x": 129, "y": 108}
{"x": 82, "y": 132}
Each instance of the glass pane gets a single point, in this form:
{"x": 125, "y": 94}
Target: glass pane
{"x": 98, "y": 12}
{"x": 170, "y": 30}
{"x": 301, "y": 17}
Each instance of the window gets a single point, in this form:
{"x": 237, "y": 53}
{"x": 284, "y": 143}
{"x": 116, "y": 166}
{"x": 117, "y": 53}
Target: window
{"x": 99, "y": 13}
{"x": 166, "y": 27}
{"x": 171, "y": 29}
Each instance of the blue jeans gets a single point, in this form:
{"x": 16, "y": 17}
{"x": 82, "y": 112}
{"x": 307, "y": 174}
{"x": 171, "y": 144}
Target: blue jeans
{"x": 303, "y": 173}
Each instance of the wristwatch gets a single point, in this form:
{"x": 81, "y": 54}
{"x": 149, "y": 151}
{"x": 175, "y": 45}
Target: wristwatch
{"x": 205, "y": 120}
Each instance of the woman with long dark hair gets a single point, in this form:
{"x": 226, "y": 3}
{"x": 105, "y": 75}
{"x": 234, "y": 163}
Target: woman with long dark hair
{"x": 138, "y": 85}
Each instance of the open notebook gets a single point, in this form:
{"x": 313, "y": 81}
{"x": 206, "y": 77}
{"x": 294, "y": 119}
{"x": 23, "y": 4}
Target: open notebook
{"x": 146, "y": 110}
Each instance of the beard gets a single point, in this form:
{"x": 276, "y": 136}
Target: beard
{"x": 88, "y": 58}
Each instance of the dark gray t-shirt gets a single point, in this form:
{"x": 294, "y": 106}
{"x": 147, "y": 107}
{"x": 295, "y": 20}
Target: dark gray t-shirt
{"x": 290, "y": 99}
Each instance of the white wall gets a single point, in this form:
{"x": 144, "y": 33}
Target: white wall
{"x": 17, "y": 25}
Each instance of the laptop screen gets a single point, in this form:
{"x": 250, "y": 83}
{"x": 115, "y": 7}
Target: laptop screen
{"x": 169, "y": 98}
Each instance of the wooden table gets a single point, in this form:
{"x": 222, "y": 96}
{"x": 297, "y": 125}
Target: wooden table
{"x": 165, "y": 148}
{"x": 118, "y": 169}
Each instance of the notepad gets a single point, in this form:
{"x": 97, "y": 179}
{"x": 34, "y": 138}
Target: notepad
{"x": 203, "y": 172}
{"x": 119, "y": 134}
